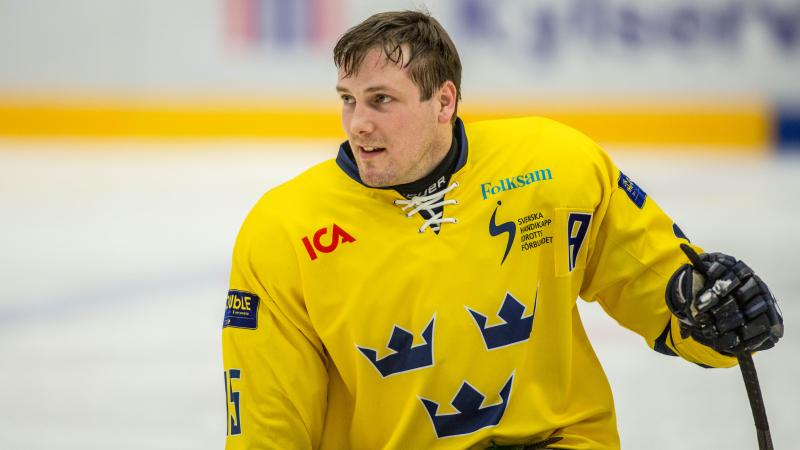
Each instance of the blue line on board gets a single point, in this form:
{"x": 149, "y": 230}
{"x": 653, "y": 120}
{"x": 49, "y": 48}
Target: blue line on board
{"x": 787, "y": 129}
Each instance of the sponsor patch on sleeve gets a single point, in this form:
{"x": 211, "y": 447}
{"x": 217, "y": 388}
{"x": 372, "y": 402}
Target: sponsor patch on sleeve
{"x": 635, "y": 193}
{"x": 241, "y": 310}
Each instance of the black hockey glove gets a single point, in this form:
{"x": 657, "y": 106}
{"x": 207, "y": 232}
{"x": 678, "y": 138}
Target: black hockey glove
{"x": 721, "y": 303}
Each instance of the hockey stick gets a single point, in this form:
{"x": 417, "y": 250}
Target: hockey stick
{"x": 756, "y": 401}
{"x": 749, "y": 374}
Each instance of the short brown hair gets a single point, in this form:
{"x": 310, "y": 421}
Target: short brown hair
{"x": 433, "y": 59}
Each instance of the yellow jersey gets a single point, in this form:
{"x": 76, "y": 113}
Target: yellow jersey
{"x": 348, "y": 328}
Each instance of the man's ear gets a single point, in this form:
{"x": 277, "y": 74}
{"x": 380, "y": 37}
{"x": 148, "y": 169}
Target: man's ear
{"x": 445, "y": 98}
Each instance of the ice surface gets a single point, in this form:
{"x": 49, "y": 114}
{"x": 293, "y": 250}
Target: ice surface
{"x": 114, "y": 257}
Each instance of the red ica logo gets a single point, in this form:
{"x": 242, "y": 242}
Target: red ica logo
{"x": 338, "y": 235}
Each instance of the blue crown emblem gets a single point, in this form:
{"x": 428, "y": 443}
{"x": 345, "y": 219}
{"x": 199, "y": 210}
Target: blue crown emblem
{"x": 405, "y": 357}
{"x": 516, "y": 327}
{"x": 470, "y": 416}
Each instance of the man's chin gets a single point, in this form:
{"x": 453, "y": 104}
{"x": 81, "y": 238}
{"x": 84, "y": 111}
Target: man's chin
{"x": 377, "y": 184}
{"x": 376, "y": 180}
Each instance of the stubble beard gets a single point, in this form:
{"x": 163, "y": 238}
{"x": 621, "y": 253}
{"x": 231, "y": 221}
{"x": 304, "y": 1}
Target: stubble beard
{"x": 388, "y": 175}
{"x": 374, "y": 178}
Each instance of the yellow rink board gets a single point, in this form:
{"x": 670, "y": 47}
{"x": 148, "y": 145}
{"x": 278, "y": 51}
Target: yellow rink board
{"x": 740, "y": 125}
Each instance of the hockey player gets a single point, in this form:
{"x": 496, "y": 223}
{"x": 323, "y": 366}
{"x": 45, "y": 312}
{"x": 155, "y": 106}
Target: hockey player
{"x": 419, "y": 291}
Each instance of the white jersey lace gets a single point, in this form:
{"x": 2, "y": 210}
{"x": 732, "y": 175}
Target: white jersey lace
{"x": 429, "y": 203}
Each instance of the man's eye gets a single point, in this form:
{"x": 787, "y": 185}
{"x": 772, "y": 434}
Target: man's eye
{"x": 347, "y": 99}
{"x": 382, "y": 99}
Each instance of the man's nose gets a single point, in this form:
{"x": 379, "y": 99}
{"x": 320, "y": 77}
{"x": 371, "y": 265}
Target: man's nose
{"x": 361, "y": 121}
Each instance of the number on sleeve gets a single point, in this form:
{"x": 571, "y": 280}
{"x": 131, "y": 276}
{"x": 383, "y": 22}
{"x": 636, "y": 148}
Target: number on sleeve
{"x": 233, "y": 417}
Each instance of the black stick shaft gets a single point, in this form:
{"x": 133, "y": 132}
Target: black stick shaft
{"x": 750, "y": 377}
{"x": 749, "y": 374}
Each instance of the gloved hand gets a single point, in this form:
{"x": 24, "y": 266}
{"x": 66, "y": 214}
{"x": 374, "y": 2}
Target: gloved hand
{"x": 721, "y": 303}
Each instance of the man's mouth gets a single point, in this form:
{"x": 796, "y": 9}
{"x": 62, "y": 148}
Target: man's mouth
{"x": 371, "y": 150}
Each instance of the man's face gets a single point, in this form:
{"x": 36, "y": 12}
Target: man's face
{"x": 395, "y": 137}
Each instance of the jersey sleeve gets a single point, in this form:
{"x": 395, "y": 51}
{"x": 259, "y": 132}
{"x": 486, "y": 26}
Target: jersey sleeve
{"x": 275, "y": 365}
{"x": 634, "y": 251}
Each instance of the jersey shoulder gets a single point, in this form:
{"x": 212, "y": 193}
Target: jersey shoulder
{"x": 539, "y": 139}
{"x": 532, "y": 128}
{"x": 272, "y": 229}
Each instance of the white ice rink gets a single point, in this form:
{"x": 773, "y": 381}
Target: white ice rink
{"x": 114, "y": 258}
